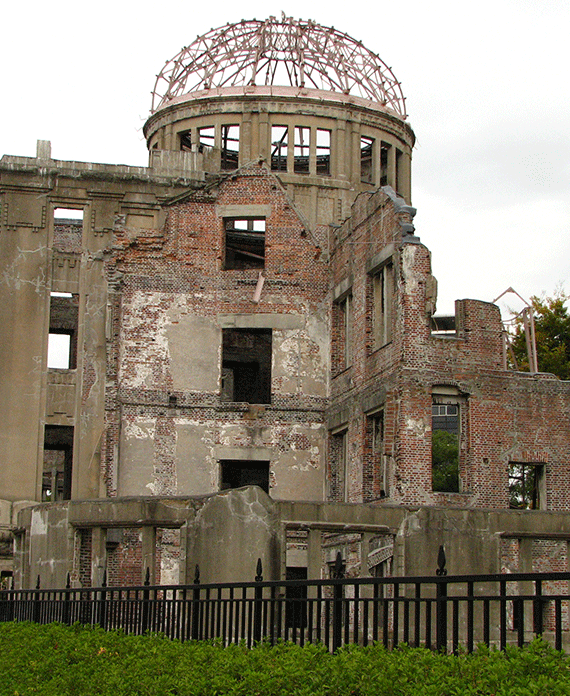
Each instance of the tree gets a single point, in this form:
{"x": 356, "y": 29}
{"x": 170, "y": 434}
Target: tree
{"x": 552, "y": 330}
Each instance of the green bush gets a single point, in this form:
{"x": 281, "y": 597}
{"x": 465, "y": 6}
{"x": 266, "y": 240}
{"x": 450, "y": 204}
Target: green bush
{"x": 57, "y": 660}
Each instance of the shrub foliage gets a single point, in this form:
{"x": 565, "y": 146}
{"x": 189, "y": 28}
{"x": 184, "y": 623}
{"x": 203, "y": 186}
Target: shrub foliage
{"x": 58, "y": 660}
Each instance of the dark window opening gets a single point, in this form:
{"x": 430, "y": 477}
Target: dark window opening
{"x": 230, "y": 147}
{"x": 236, "y": 473}
{"x": 245, "y": 243}
{"x": 366, "y": 167}
{"x": 384, "y": 148}
{"x": 398, "y": 173}
{"x": 323, "y": 152}
{"x": 338, "y": 457}
{"x": 524, "y": 485}
{"x": 246, "y": 365}
{"x": 57, "y": 463}
{"x": 296, "y": 599}
{"x": 6, "y": 579}
{"x": 375, "y": 471}
{"x": 62, "y": 339}
{"x": 206, "y": 138}
{"x": 445, "y": 447}
{"x": 342, "y": 331}
{"x": 279, "y": 148}
{"x": 186, "y": 141}
{"x": 382, "y": 291}
{"x": 301, "y": 149}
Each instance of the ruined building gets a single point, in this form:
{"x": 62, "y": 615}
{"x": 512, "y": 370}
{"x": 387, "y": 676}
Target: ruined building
{"x": 233, "y": 353}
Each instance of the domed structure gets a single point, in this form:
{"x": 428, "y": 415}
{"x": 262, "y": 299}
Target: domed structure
{"x": 279, "y": 52}
{"x": 323, "y": 112}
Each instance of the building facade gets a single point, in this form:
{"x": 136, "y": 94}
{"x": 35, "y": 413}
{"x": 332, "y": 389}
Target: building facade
{"x": 234, "y": 353}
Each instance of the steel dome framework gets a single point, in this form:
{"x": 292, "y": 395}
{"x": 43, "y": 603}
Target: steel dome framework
{"x": 284, "y": 52}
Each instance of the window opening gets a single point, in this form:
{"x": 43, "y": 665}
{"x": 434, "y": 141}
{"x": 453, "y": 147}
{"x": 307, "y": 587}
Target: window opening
{"x": 62, "y": 338}
{"x": 186, "y": 141}
{"x": 382, "y": 290}
{"x": 323, "y": 152}
{"x": 524, "y": 485}
{"x": 398, "y": 173}
{"x": 346, "y": 314}
{"x": 67, "y": 230}
{"x": 206, "y": 138}
{"x": 339, "y": 462}
{"x": 246, "y": 365}
{"x": 384, "y": 148}
{"x": 366, "y": 167}
{"x": 279, "y": 148}
{"x": 236, "y": 473}
{"x": 301, "y": 149}
{"x": 245, "y": 243}
{"x": 57, "y": 463}
{"x": 445, "y": 425}
{"x": 230, "y": 147}
{"x": 375, "y": 474}
{"x": 296, "y": 599}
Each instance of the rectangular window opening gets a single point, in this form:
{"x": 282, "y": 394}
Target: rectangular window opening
{"x": 399, "y": 161}
{"x": 62, "y": 338}
{"x": 524, "y": 485}
{"x": 230, "y": 147}
{"x": 236, "y": 473}
{"x": 57, "y": 463}
{"x": 323, "y": 152}
{"x": 301, "y": 149}
{"x": 68, "y": 230}
{"x": 384, "y": 148}
{"x": 279, "y": 148}
{"x": 382, "y": 291}
{"x": 246, "y": 365}
{"x": 186, "y": 141}
{"x": 366, "y": 166}
{"x": 244, "y": 243}
{"x": 445, "y": 426}
{"x": 375, "y": 483}
{"x": 206, "y": 138}
{"x": 338, "y": 466}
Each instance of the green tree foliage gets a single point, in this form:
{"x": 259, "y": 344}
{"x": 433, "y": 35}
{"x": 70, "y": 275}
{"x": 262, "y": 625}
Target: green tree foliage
{"x": 552, "y": 329}
{"x": 445, "y": 461}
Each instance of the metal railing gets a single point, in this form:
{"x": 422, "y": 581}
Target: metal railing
{"x": 438, "y": 612}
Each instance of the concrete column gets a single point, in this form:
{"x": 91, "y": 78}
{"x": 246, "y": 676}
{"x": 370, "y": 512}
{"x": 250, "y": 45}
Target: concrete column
{"x": 149, "y": 553}
{"x": 314, "y": 554}
{"x": 98, "y": 555}
{"x": 366, "y": 590}
{"x": 405, "y": 177}
{"x": 248, "y": 139}
{"x": 338, "y": 155}
{"x": 313, "y": 152}
{"x": 264, "y": 131}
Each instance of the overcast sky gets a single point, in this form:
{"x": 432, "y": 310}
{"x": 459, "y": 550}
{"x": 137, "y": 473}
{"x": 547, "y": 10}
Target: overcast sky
{"x": 488, "y": 96}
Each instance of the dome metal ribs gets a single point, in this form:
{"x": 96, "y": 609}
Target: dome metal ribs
{"x": 284, "y": 52}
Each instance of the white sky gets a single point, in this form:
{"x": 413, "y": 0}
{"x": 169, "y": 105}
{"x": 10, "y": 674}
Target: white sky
{"x": 487, "y": 87}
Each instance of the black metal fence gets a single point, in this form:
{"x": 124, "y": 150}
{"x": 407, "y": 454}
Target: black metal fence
{"x": 439, "y": 612}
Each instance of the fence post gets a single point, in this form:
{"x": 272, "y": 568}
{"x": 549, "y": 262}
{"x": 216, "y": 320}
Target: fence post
{"x": 441, "y": 603}
{"x": 37, "y": 602}
{"x": 145, "y": 602}
{"x": 67, "y": 601}
{"x": 258, "y": 603}
{"x": 338, "y": 574}
{"x": 196, "y": 605}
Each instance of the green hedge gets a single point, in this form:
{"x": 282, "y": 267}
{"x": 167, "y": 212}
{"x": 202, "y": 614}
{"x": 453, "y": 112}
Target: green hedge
{"x": 60, "y": 660}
